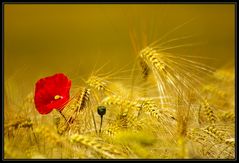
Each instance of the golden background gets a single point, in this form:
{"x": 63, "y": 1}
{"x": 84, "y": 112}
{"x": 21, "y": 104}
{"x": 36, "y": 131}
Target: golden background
{"x": 43, "y": 39}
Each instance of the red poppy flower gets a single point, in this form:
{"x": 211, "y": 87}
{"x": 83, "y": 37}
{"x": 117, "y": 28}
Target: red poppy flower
{"x": 52, "y": 93}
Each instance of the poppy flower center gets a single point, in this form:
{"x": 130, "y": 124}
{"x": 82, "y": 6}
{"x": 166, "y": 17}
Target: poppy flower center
{"x": 56, "y": 97}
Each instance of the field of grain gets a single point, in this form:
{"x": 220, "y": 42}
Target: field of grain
{"x": 139, "y": 81}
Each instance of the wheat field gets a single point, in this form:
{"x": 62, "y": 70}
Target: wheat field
{"x": 161, "y": 94}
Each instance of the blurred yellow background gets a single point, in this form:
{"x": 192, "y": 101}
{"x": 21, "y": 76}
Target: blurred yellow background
{"x": 43, "y": 39}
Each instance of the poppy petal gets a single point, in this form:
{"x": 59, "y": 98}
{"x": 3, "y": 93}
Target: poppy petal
{"x": 47, "y": 88}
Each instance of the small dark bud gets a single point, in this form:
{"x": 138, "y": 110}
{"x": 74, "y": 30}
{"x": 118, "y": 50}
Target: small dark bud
{"x": 101, "y": 110}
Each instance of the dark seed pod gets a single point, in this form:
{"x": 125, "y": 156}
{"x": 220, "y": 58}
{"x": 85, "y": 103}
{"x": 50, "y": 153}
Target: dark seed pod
{"x": 101, "y": 110}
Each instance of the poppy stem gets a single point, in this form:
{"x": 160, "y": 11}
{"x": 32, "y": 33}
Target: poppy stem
{"x": 101, "y": 121}
{"x": 62, "y": 115}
